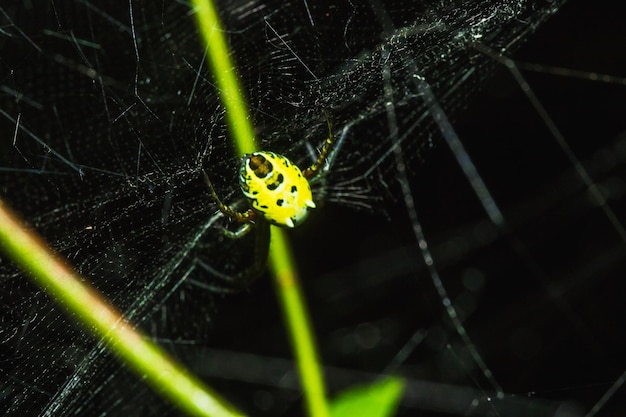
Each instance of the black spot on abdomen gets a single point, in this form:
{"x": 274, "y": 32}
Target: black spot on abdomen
{"x": 274, "y": 185}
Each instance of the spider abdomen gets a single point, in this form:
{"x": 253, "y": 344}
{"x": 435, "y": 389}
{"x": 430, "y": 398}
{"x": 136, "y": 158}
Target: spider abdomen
{"x": 276, "y": 188}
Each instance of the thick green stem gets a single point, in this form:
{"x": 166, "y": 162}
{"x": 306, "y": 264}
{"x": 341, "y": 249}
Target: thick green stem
{"x": 152, "y": 364}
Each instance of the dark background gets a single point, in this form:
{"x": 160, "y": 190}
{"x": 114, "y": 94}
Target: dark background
{"x": 541, "y": 300}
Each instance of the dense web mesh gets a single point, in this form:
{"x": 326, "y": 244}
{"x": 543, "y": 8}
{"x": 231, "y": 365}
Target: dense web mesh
{"x": 500, "y": 295}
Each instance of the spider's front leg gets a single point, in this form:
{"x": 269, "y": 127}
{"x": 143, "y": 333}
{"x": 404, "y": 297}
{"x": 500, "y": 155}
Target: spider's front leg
{"x": 248, "y": 217}
{"x": 311, "y": 171}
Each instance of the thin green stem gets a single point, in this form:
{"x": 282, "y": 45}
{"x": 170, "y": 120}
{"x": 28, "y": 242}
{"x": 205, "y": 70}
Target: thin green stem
{"x": 50, "y": 272}
{"x": 225, "y": 76}
{"x": 281, "y": 260}
{"x": 300, "y": 329}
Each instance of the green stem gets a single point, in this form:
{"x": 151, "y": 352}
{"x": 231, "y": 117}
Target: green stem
{"x": 225, "y": 75}
{"x": 47, "y": 269}
{"x": 298, "y": 323}
{"x": 281, "y": 259}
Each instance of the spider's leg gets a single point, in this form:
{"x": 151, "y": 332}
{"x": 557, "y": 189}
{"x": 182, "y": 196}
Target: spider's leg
{"x": 326, "y": 148}
{"x": 243, "y": 279}
{"x": 239, "y": 233}
{"x": 247, "y": 216}
{"x": 261, "y": 252}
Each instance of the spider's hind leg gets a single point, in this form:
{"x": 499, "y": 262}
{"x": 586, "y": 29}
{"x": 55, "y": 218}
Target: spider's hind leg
{"x": 242, "y": 280}
{"x": 239, "y": 233}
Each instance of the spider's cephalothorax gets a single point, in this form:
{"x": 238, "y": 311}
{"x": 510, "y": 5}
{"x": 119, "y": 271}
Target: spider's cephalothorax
{"x": 276, "y": 188}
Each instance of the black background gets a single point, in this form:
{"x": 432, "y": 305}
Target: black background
{"x": 547, "y": 314}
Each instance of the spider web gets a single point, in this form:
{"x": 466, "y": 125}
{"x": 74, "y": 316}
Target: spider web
{"x": 511, "y": 192}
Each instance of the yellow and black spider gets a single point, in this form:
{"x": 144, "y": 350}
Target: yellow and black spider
{"x": 278, "y": 193}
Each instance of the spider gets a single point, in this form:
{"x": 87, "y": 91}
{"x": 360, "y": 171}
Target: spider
{"x": 278, "y": 192}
